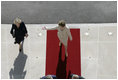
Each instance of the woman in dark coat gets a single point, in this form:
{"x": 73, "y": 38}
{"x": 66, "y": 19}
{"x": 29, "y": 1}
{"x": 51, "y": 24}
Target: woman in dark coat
{"x": 19, "y": 31}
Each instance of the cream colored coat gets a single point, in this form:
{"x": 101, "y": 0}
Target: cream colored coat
{"x": 63, "y": 35}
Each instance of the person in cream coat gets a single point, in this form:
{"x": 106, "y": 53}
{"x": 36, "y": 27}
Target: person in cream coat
{"x": 63, "y": 34}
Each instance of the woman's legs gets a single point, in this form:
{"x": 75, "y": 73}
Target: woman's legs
{"x": 66, "y": 52}
{"x": 20, "y": 46}
{"x": 59, "y": 43}
{"x": 65, "y": 46}
{"x": 64, "y": 42}
{"x": 20, "y": 41}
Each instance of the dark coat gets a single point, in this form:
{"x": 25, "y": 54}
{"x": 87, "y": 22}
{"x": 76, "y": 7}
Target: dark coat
{"x": 18, "y": 33}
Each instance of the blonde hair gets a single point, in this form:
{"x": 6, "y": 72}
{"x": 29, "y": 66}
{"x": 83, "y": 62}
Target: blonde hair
{"x": 17, "y": 20}
{"x": 61, "y": 23}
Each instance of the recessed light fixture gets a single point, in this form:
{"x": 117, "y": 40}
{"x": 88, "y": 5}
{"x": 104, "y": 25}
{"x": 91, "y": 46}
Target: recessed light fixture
{"x": 110, "y": 33}
{"x": 40, "y": 34}
{"x": 86, "y": 33}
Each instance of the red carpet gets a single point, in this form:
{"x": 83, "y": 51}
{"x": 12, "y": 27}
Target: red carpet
{"x": 56, "y": 63}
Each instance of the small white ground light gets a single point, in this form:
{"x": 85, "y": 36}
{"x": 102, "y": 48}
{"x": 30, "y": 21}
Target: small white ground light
{"x": 110, "y": 33}
{"x": 39, "y": 34}
{"x": 86, "y": 34}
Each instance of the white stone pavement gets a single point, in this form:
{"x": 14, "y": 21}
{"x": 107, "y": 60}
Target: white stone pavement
{"x": 98, "y": 51}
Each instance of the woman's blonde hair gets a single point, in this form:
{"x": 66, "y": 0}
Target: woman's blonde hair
{"x": 17, "y": 20}
{"x": 61, "y": 23}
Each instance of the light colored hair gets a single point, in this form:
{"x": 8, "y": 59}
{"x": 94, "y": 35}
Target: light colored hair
{"x": 17, "y": 20}
{"x": 61, "y": 23}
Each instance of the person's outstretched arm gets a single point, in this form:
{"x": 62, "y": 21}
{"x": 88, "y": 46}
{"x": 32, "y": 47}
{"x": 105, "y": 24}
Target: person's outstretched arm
{"x": 45, "y": 28}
